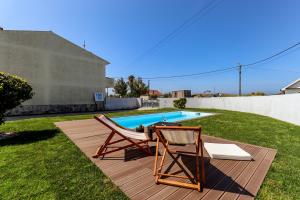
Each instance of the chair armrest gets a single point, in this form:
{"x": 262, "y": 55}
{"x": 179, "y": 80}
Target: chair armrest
{"x": 194, "y": 128}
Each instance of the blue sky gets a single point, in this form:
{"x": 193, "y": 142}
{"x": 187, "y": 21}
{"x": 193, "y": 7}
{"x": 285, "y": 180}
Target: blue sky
{"x": 232, "y": 32}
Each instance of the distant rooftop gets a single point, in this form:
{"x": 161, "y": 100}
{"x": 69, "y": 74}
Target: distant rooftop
{"x": 290, "y": 86}
{"x": 56, "y": 35}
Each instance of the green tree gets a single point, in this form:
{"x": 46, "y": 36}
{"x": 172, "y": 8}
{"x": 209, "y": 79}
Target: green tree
{"x": 131, "y": 85}
{"x": 13, "y": 91}
{"x": 140, "y": 87}
{"x": 120, "y": 87}
{"x": 136, "y": 87}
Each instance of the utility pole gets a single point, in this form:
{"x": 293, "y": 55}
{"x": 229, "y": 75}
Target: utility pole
{"x": 84, "y": 44}
{"x": 240, "y": 79}
{"x": 148, "y": 87}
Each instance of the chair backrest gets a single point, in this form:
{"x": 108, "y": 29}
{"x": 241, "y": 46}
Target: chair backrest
{"x": 179, "y": 135}
{"x": 119, "y": 129}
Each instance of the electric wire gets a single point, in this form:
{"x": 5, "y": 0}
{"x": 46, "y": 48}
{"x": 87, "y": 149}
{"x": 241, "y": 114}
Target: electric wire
{"x": 272, "y": 56}
{"x": 181, "y": 28}
{"x": 226, "y": 69}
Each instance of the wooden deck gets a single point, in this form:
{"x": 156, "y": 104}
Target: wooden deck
{"x": 131, "y": 170}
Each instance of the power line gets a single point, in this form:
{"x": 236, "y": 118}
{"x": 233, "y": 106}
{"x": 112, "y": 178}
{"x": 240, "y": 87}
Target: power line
{"x": 206, "y": 73}
{"x": 187, "y": 23}
{"x": 203, "y": 74}
{"x": 187, "y": 75}
{"x": 270, "y": 57}
{"x": 273, "y": 69}
{"x": 228, "y": 68}
{"x": 224, "y": 69}
{"x": 261, "y": 61}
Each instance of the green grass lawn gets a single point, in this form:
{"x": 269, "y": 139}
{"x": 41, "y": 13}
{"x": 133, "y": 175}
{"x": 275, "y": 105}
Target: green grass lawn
{"x": 42, "y": 163}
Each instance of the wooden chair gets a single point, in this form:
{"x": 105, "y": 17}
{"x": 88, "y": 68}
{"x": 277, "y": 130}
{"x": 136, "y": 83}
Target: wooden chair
{"x": 182, "y": 135}
{"x": 134, "y": 138}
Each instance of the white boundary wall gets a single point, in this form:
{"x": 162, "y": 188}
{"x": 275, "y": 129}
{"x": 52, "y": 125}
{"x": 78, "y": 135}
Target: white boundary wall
{"x": 122, "y": 103}
{"x": 282, "y": 107}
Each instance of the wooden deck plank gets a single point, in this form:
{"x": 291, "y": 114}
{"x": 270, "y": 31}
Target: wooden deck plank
{"x": 256, "y": 180}
{"x": 244, "y": 177}
{"x": 151, "y": 186}
{"x": 135, "y": 181}
{"x": 219, "y": 175}
{"x": 167, "y": 191}
{"x": 145, "y": 194}
{"x": 132, "y": 171}
{"x": 175, "y": 167}
{"x": 78, "y": 136}
{"x": 229, "y": 180}
{"x": 147, "y": 183}
{"x": 132, "y": 176}
{"x": 210, "y": 169}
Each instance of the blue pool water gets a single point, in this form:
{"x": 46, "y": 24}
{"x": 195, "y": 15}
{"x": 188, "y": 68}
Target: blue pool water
{"x": 149, "y": 119}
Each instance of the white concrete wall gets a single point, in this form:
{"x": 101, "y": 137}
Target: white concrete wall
{"x": 282, "y": 107}
{"x": 122, "y": 103}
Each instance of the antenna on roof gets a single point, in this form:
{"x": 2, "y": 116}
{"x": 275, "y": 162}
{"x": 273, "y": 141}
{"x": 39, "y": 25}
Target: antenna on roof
{"x": 83, "y": 43}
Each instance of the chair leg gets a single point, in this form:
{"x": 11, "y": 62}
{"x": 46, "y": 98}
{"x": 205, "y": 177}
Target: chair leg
{"x": 148, "y": 147}
{"x": 197, "y": 168}
{"x": 156, "y": 157}
{"x": 105, "y": 149}
{"x": 161, "y": 162}
{"x": 98, "y": 151}
{"x": 202, "y": 164}
{"x": 102, "y": 148}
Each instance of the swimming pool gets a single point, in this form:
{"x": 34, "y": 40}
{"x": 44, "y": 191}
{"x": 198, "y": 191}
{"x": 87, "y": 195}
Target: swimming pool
{"x": 149, "y": 119}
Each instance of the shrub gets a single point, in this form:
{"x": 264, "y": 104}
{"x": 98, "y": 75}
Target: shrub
{"x": 179, "y": 103}
{"x": 13, "y": 91}
{"x": 257, "y": 94}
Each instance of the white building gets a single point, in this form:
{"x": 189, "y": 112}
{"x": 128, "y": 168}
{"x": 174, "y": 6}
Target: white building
{"x": 292, "y": 88}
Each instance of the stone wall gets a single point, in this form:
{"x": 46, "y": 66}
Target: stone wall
{"x": 51, "y": 109}
{"x": 108, "y": 104}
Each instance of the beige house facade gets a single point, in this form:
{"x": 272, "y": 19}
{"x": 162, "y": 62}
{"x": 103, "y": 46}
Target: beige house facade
{"x": 181, "y": 93}
{"x": 64, "y": 76}
{"x": 292, "y": 88}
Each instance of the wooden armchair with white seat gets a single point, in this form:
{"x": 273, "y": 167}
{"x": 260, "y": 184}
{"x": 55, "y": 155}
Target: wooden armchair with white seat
{"x": 179, "y": 135}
